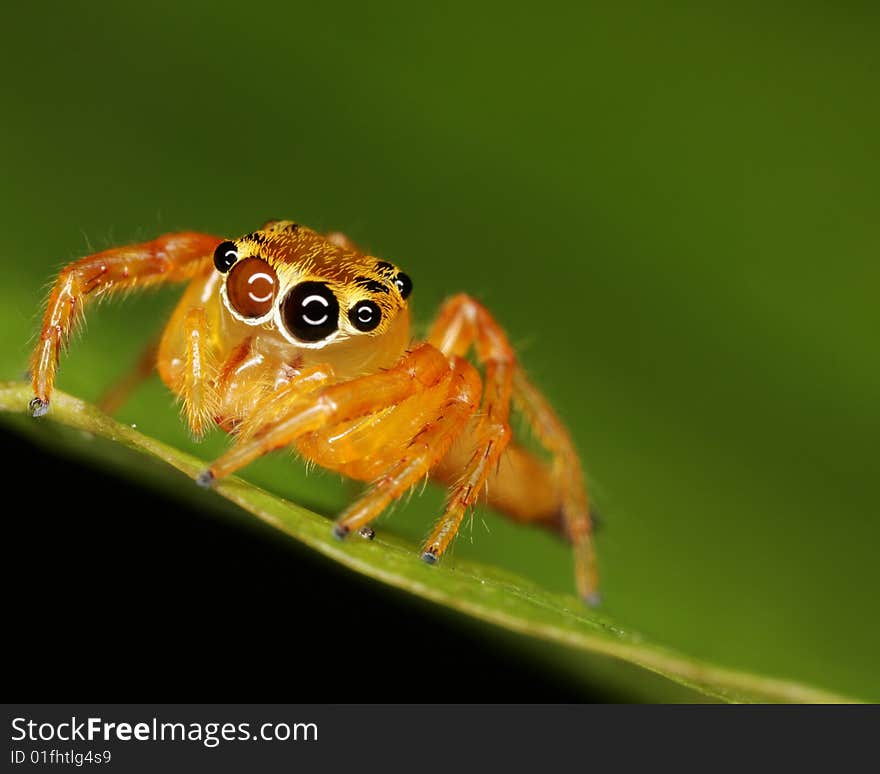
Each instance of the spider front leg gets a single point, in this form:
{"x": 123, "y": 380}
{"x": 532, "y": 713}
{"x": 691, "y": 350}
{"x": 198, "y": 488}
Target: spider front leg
{"x": 170, "y": 258}
{"x": 417, "y": 371}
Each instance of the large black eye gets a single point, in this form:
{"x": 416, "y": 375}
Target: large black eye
{"x": 404, "y": 285}
{"x": 225, "y": 256}
{"x": 365, "y": 315}
{"x": 311, "y": 311}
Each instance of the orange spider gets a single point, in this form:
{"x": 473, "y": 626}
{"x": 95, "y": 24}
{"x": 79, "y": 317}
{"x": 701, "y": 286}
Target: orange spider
{"x": 286, "y": 337}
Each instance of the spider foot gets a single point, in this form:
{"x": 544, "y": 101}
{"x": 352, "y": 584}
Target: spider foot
{"x": 429, "y": 557}
{"x": 205, "y": 479}
{"x": 593, "y": 599}
{"x": 340, "y": 532}
{"x": 38, "y": 407}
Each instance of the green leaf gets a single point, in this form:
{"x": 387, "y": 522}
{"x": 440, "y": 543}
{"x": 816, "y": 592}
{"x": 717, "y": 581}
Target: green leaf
{"x": 483, "y": 592}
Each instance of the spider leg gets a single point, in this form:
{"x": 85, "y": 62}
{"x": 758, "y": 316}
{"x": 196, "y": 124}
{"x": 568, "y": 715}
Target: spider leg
{"x": 464, "y": 322}
{"x": 283, "y": 400}
{"x": 198, "y": 389}
{"x": 567, "y": 469}
{"x": 170, "y": 258}
{"x": 416, "y": 371}
{"x": 522, "y": 486}
{"x": 421, "y": 453}
{"x": 493, "y": 439}
{"x": 364, "y": 448}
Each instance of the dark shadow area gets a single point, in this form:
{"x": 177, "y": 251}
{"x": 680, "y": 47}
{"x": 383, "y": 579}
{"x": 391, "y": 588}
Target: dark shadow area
{"x": 114, "y": 591}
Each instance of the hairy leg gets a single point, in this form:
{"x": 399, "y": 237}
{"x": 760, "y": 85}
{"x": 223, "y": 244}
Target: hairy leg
{"x": 230, "y": 398}
{"x": 279, "y": 403}
{"x": 364, "y": 448}
{"x": 463, "y": 323}
{"x": 416, "y": 371}
{"x": 170, "y": 258}
{"x": 421, "y": 453}
{"x": 198, "y": 380}
{"x": 522, "y": 486}
{"x": 567, "y": 470}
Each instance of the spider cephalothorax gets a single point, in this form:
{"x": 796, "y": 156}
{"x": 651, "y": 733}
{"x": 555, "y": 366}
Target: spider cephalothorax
{"x": 287, "y": 337}
{"x": 314, "y": 291}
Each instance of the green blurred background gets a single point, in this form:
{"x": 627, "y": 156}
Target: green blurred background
{"x": 674, "y": 212}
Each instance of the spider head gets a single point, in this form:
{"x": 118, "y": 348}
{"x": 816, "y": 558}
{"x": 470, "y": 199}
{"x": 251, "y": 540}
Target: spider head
{"x": 310, "y": 289}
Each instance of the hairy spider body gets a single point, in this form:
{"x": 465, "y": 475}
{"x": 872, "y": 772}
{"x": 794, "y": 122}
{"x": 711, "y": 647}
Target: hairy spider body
{"x": 289, "y": 338}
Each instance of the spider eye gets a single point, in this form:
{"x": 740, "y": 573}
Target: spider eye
{"x": 404, "y": 284}
{"x": 365, "y": 315}
{"x": 225, "y": 256}
{"x": 251, "y": 287}
{"x": 310, "y": 311}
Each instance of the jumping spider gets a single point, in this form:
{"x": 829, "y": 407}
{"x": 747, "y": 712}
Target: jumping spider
{"x": 287, "y": 337}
